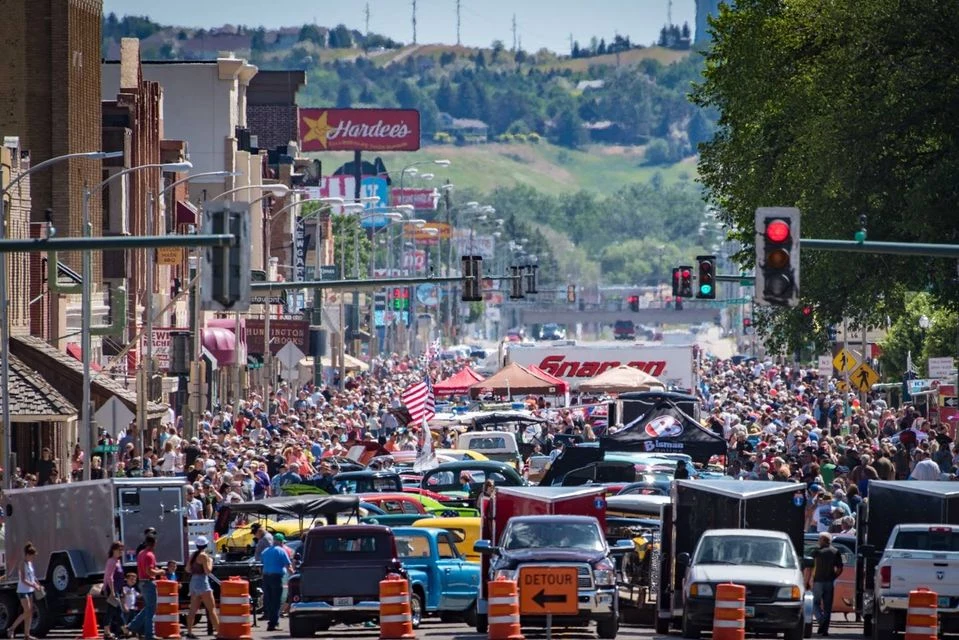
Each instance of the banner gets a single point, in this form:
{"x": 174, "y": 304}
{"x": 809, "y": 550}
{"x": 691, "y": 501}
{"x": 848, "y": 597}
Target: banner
{"x": 421, "y": 199}
{"x": 359, "y": 129}
{"x": 414, "y": 261}
{"x": 475, "y": 245}
{"x": 162, "y": 343}
{"x": 344, "y": 186}
{"x": 281, "y": 332}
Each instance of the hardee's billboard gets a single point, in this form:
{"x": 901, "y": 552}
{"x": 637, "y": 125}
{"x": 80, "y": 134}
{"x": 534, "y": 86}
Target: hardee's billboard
{"x": 359, "y": 129}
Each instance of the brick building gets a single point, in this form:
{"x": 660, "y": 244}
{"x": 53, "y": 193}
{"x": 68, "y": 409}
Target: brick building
{"x": 14, "y": 162}
{"x": 51, "y": 100}
{"x": 271, "y": 111}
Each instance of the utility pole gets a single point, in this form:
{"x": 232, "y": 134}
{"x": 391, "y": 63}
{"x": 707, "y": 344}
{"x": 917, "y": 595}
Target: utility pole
{"x": 414, "y": 21}
{"x": 514, "y": 33}
{"x": 669, "y": 13}
{"x": 367, "y": 14}
{"x": 458, "y": 22}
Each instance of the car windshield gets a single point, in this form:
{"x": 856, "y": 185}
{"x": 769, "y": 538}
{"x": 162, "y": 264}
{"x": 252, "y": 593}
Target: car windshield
{"x": 562, "y": 535}
{"x": 766, "y": 552}
{"x": 412, "y": 546}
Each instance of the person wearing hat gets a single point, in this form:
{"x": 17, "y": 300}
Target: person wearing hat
{"x": 264, "y": 539}
{"x": 149, "y": 531}
{"x": 200, "y": 566}
{"x": 276, "y": 562}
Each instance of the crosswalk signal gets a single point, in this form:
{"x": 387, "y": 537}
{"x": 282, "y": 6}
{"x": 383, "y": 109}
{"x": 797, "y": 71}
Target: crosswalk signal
{"x": 530, "y": 274}
{"x": 571, "y": 293}
{"x": 777, "y": 255}
{"x": 633, "y": 303}
{"x": 472, "y": 272}
{"x": 706, "y": 287}
{"x": 516, "y": 283}
{"x": 225, "y": 274}
{"x": 676, "y": 277}
{"x": 686, "y": 282}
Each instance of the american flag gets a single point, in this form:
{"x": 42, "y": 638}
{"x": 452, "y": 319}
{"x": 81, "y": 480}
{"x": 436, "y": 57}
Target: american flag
{"x": 419, "y": 400}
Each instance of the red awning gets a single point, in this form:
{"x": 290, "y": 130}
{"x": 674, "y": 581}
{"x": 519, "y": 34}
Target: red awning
{"x": 221, "y": 343}
{"x": 186, "y": 213}
{"x": 74, "y": 350}
{"x": 561, "y": 385}
{"x": 457, "y": 384}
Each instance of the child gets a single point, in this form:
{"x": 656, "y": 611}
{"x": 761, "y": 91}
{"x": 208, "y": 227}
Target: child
{"x": 171, "y": 570}
{"x": 129, "y": 601}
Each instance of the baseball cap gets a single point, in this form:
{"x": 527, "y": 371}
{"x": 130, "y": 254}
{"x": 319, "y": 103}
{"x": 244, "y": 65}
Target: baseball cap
{"x": 279, "y": 537}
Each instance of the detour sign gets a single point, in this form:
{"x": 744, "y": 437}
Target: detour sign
{"x": 548, "y": 589}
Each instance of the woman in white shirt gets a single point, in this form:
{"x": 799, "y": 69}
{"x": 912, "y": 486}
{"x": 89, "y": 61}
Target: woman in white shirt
{"x": 27, "y": 586}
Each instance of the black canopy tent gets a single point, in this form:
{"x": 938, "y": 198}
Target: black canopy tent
{"x": 666, "y": 428}
{"x": 303, "y": 506}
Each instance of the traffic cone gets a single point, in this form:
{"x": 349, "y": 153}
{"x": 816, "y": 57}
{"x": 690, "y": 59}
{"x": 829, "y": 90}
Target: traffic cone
{"x": 90, "y": 628}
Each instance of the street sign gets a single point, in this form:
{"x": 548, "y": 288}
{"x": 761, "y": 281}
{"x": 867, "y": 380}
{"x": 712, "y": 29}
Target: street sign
{"x": 951, "y": 401}
{"x": 844, "y": 362}
{"x": 841, "y": 386}
{"x": 281, "y": 299}
{"x": 942, "y": 368}
{"x": 863, "y": 378}
{"x": 114, "y": 416}
{"x": 289, "y": 356}
{"x": 825, "y": 366}
{"x": 548, "y": 590}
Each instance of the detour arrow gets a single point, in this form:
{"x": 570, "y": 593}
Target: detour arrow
{"x": 544, "y": 589}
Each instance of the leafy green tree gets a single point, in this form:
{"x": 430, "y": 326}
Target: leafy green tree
{"x": 569, "y": 131}
{"x": 351, "y": 245}
{"x": 258, "y": 41}
{"x": 906, "y": 336}
{"x": 344, "y": 96}
{"x": 445, "y": 99}
{"x": 312, "y": 33}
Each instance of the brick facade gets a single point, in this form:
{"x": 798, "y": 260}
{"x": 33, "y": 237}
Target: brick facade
{"x": 274, "y": 125}
{"x": 17, "y": 209}
{"x": 51, "y": 100}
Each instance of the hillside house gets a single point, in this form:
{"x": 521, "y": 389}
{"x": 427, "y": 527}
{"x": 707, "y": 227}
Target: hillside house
{"x": 469, "y": 129}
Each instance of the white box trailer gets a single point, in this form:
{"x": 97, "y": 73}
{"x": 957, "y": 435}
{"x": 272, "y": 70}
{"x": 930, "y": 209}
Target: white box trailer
{"x": 576, "y": 363}
{"x": 73, "y": 525}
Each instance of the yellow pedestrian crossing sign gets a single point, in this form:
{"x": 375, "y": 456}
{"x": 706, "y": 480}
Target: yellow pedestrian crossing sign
{"x": 841, "y": 386}
{"x": 844, "y": 362}
{"x": 863, "y": 378}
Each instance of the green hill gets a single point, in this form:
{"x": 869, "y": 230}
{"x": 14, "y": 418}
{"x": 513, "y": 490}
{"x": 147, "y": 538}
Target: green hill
{"x": 542, "y": 166}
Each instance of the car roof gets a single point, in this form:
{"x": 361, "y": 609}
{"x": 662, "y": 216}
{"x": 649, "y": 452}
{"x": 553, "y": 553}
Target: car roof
{"x": 366, "y": 473}
{"x": 379, "y": 496}
{"x": 748, "y": 533}
{"x": 441, "y": 522}
{"x": 349, "y": 529}
{"x": 466, "y": 465}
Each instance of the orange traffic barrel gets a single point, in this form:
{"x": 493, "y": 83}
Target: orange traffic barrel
{"x": 396, "y": 618}
{"x": 922, "y": 615}
{"x": 235, "y": 620}
{"x": 167, "y": 618}
{"x": 504, "y": 610}
{"x": 729, "y": 616}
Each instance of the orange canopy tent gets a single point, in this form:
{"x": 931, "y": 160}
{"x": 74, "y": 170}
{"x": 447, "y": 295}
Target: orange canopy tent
{"x": 458, "y": 383}
{"x": 513, "y": 380}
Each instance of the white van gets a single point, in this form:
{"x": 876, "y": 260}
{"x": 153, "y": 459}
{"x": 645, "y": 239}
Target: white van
{"x": 495, "y": 445}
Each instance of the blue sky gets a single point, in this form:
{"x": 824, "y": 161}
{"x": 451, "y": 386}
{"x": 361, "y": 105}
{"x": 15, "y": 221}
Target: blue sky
{"x": 540, "y": 23}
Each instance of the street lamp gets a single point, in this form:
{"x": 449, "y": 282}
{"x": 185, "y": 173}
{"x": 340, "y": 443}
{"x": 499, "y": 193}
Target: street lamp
{"x": 277, "y": 190}
{"x": 4, "y": 302}
{"x": 411, "y": 168}
{"x": 86, "y": 303}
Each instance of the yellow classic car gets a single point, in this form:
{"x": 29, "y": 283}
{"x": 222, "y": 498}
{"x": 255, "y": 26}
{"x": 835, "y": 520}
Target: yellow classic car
{"x": 466, "y": 531}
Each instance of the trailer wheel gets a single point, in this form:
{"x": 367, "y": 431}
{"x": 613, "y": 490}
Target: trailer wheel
{"x": 60, "y": 574}
{"x": 8, "y": 611}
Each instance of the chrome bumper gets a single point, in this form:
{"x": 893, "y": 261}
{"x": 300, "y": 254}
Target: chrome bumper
{"x": 326, "y": 608}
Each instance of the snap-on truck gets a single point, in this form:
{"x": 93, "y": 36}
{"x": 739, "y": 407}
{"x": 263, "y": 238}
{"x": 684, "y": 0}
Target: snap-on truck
{"x": 702, "y": 506}
{"x": 893, "y": 503}
{"x": 72, "y": 527}
{"x": 551, "y": 526}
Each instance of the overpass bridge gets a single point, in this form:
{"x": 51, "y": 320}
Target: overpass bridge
{"x": 570, "y": 315}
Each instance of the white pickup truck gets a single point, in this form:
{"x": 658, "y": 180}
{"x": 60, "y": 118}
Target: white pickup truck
{"x": 917, "y": 555}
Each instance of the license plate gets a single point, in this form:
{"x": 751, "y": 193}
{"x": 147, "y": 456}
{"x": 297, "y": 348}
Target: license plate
{"x": 342, "y": 602}
{"x": 945, "y": 602}
{"x": 750, "y": 612}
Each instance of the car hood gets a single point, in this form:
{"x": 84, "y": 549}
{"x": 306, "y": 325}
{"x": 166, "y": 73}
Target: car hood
{"x": 744, "y": 573}
{"x": 520, "y": 556}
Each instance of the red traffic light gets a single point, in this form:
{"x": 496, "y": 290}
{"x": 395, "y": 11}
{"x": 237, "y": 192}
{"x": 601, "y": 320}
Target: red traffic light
{"x": 807, "y": 311}
{"x": 777, "y": 231}
{"x": 686, "y": 273}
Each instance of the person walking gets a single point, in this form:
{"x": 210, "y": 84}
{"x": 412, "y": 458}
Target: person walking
{"x": 200, "y": 567}
{"x": 276, "y": 562}
{"x": 27, "y": 588}
{"x": 827, "y": 565}
{"x": 113, "y": 623}
{"x": 147, "y": 572}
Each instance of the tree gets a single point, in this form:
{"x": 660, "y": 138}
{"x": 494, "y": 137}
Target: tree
{"x": 466, "y": 100}
{"x": 837, "y": 77}
{"x": 575, "y": 52}
{"x": 498, "y": 48}
{"x": 258, "y": 40}
{"x": 341, "y": 38}
{"x": 312, "y": 33}
{"x": 906, "y": 337}
{"x": 344, "y": 96}
{"x": 602, "y": 47}
{"x": 569, "y": 130}
{"x": 445, "y": 100}
{"x": 685, "y": 32}
{"x": 351, "y": 246}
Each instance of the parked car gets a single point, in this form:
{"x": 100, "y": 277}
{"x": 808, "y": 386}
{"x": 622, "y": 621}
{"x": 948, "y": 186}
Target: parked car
{"x": 552, "y": 331}
{"x": 447, "y": 477}
{"x": 367, "y": 481}
{"x": 624, "y": 330}
{"x": 465, "y": 532}
{"x": 844, "y": 595}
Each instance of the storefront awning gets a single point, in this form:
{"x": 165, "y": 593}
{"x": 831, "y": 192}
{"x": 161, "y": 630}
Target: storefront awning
{"x": 186, "y": 213}
{"x": 221, "y": 343}
{"x": 74, "y": 350}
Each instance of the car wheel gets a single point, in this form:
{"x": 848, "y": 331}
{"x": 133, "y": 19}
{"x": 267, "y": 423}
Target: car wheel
{"x": 303, "y": 628}
{"x": 883, "y": 626}
{"x": 41, "y": 623}
{"x": 482, "y": 623}
{"x": 689, "y": 629}
{"x": 607, "y": 628}
{"x": 416, "y": 609}
{"x": 796, "y": 633}
{"x": 8, "y": 612}
{"x": 807, "y": 631}
{"x": 469, "y": 617}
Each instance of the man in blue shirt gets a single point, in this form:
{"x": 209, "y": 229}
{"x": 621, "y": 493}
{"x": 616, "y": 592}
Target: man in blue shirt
{"x": 276, "y": 562}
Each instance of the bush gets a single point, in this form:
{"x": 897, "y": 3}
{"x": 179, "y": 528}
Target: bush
{"x": 657, "y": 152}
{"x": 534, "y": 137}
{"x": 442, "y": 137}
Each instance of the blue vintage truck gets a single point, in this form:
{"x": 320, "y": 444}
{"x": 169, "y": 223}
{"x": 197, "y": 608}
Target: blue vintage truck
{"x": 443, "y": 581}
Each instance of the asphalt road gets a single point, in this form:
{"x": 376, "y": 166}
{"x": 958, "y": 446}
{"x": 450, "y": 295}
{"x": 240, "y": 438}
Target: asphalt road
{"x": 435, "y": 630}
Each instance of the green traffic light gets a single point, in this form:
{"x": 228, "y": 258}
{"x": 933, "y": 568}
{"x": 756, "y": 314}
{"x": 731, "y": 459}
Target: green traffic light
{"x": 705, "y": 289}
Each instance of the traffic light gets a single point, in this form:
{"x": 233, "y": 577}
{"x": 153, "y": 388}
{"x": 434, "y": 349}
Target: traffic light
{"x": 676, "y": 276}
{"x": 225, "y": 274}
{"x": 516, "y": 283}
{"x": 777, "y": 255}
{"x": 472, "y": 272}
{"x": 706, "y": 288}
{"x": 685, "y": 282}
{"x": 530, "y": 277}
{"x": 571, "y": 293}
{"x": 633, "y": 303}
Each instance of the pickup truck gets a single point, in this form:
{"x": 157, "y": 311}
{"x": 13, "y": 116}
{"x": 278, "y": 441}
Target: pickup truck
{"x": 762, "y": 561}
{"x": 341, "y": 568}
{"x": 917, "y": 555}
{"x": 562, "y": 540}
